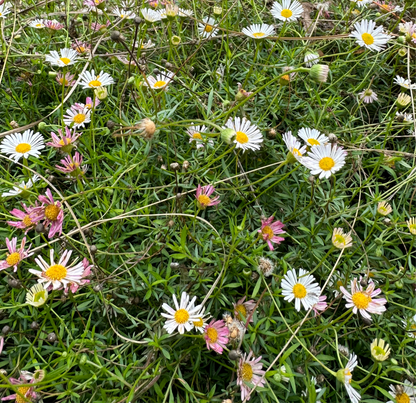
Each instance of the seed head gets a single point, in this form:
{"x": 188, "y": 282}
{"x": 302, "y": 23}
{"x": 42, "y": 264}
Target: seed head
{"x": 147, "y": 128}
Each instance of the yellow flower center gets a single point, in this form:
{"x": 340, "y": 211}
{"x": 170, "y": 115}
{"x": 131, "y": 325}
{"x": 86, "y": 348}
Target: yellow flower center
{"x": 39, "y": 25}
{"x": 13, "y": 258}
{"x": 326, "y": 163}
{"x": 299, "y": 291}
{"x": 79, "y": 118}
{"x": 367, "y": 38}
{"x": 65, "y": 60}
{"x": 197, "y": 136}
{"x": 23, "y": 148}
{"x": 52, "y": 211}
{"x": 247, "y": 372}
{"x": 402, "y": 398}
{"x": 339, "y": 283}
{"x": 204, "y": 200}
{"x": 295, "y": 151}
{"x": 159, "y": 84}
{"x": 208, "y": 28}
{"x": 313, "y": 142}
{"x": 56, "y": 272}
{"x": 286, "y": 77}
{"x": 80, "y": 49}
{"x": 181, "y": 316}
{"x": 286, "y": 13}
{"x": 267, "y": 231}
{"x": 241, "y": 138}
{"x": 241, "y": 309}
{"x": 340, "y": 239}
{"x": 22, "y": 390}
{"x": 121, "y": 15}
{"x": 94, "y": 83}
{"x": 63, "y": 81}
{"x": 198, "y": 323}
{"x": 27, "y": 221}
{"x": 258, "y": 34}
{"x": 361, "y": 300}
{"x": 212, "y": 334}
{"x": 62, "y": 143}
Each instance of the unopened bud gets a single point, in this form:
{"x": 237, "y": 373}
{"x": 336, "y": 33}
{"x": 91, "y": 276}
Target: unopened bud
{"x": 174, "y": 166}
{"x": 185, "y": 165}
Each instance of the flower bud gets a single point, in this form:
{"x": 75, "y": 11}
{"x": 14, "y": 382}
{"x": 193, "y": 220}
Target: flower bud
{"x": 175, "y": 40}
{"x": 403, "y": 100}
{"x": 277, "y": 377}
{"x": 42, "y": 126}
{"x": 319, "y": 73}
{"x": 101, "y": 93}
{"x": 227, "y": 135}
{"x": 83, "y": 359}
{"x": 52, "y": 74}
{"x": 402, "y": 52}
{"x": 217, "y": 10}
{"x": 51, "y": 337}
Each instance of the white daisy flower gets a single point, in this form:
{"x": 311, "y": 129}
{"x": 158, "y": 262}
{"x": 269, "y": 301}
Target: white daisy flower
{"x": 4, "y": 10}
{"x": 288, "y": 10}
{"x": 312, "y": 137}
{"x": 311, "y": 58}
{"x": 150, "y": 15}
{"x": 410, "y": 327}
{"x": 123, "y": 14}
{"x": 36, "y": 295}
{"x": 207, "y": 28}
{"x": 161, "y": 81}
{"x": 403, "y": 393}
{"x": 362, "y": 3}
{"x": 66, "y": 58}
{"x": 77, "y": 117}
{"x": 247, "y": 135}
{"x": 145, "y": 45}
{"x": 404, "y": 83}
{"x": 194, "y": 133}
{"x": 21, "y": 187}
{"x": 163, "y": 14}
{"x": 183, "y": 12}
{"x": 201, "y": 323}
{"x": 404, "y": 117}
{"x": 183, "y": 316}
{"x": 258, "y": 31}
{"x": 302, "y": 289}
{"x": 324, "y": 160}
{"x": 369, "y": 36}
{"x": 345, "y": 376}
{"x": 58, "y": 275}
{"x": 19, "y": 145}
{"x": 368, "y": 96}
{"x": 91, "y": 80}
{"x": 37, "y": 23}
{"x": 293, "y": 145}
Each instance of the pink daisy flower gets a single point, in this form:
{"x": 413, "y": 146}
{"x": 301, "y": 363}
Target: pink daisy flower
{"x": 28, "y": 218}
{"x": 15, "y": 256}
{"x": 249, "y": 374}
{"x": 216, "y": 335}
{"x": 320, "y": 306}
{"x": 88, "y": 104}
{"x": 95, "y": 26}
{"x": 52, "y": 213}
{"x": 64, "y": 141}
{"x": 71, "y": 165}
{"x": 87, "y": 271}
{"x": 66, "y": 79}
{"x": 269, "y": 230}
{"x": 363, "y": 301}
{"x": 202, "y": 195}
{"x": 243, "y": 310}
{"x": 25, "y": 389}
{"x": 53, "y": 24}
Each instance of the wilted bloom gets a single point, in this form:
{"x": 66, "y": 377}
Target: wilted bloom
{"x": 403, "y": 393}
{"x": 15, "y": 256}
{"x": 72, "y": 165}
{"x": 66, "y": 79}
{"x": 216, "y": 335}
{"x": 26, "y": 144}
{"x": 36, "y": 295}
{"x": 266, "y": 267}
{"x": 244, "y": 310}
{"x": 384, "y": 208}
{"x": 320, "y": 306}
{"x": 368, "y": 96}
{"x": 380, "y": 351}
{"x": 242, "y": 93}
{"x": 403, "y": 100}
{"x": 25, "y": 392}
{"x": 183, "y": 316}
{"x": 269, "y": 231}
{"x": 411, "y": 224}
{"x": 22, "y": 188}
{"x": 52, "y": 213}
{"x": 363, "y": 301}
{"x": 81, "y": 47}
{"x": 147, "y": 128}
{"x": 303, "y": 289}
{"x": 28, "y": 218}
{"x": 58, "y": 275}
{"x": 340, "y": 239}
{"x": 202, "y": 196}
{"x": 249, "y": 374}
{"x": 64, "y": 141}
{"x": 344, "y": 375}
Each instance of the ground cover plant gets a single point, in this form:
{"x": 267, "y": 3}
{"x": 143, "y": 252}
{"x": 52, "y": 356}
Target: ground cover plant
{"x": 207, "y": 201}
